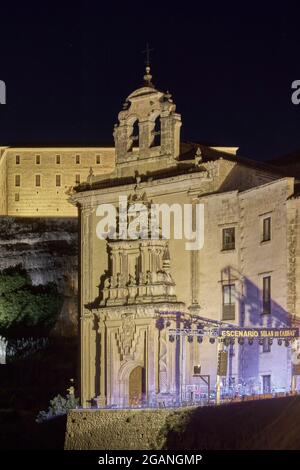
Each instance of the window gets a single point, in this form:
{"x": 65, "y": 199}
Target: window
{"x": 98, "y": 159}
{"x": 17, "y": 159}
{"x": 266, "y": 346}
{"x": 266, "y": 383}
{"x": 37, "y": 159}
{"x": 229, "y": 302}
{"x": 228, "y": 238}
{"x": 17, "y": 180}
{"x": 58, "y": 180}
{"x": 77, "y": 159}
{"x": 266, "y": 297}
{"x": 57, "y": 159}
{"x": 266, "y": 232}
{"x": 77, "y": 179}
{"x": 38, "y": 180}
{"x": 17, "y": 197}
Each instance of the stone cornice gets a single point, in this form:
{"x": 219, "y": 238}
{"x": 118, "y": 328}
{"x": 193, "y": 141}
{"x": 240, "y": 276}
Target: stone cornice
{"x": 171, "y": 185}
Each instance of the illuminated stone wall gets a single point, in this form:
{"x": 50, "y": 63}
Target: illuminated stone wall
{"x": 105, "y": 429}
{"x": 236, "y": 194}
{"x": 46, "y": 177}
{"x": 3, "y": 187}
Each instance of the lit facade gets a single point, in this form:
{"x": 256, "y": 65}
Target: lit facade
{"x": 37, "y": 181}
{"x": 135, "y": 292}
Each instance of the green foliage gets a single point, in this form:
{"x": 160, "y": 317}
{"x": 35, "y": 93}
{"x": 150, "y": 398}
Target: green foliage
{"x": 58, "y": 406}
{"x": 22, "y": 304}
{"x": 11, "y": 281}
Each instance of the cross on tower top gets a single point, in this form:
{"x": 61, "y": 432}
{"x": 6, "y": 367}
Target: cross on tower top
{"x": 147, "y": 53}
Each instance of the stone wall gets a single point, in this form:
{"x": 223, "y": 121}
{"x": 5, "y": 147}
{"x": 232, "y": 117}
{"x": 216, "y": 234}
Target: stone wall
{"x": 3, "y": 194}
{"x": 118, "y": 429}
{"x": 269, "y": 424}
{"x": 48, "y": 199}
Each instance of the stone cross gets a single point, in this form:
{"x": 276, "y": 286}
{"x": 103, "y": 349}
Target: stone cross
{"x": 147, "y": 52}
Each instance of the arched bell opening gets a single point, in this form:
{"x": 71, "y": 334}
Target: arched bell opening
{"x": 155, "y": 140}
{"x": 135, "y": 135}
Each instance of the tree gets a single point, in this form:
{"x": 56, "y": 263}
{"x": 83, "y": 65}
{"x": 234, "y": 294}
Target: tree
{"x": 25, "y": 305}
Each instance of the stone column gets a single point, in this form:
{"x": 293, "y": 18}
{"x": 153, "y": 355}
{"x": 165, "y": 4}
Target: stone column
{"x": 170, "y": 134}
{"x": 163, "y": 370}
{"x": 86, "y": 243}
{"x": 85, "y": 373}
{"x": 194, "y": 256}
{"x": 85, "y": 298}
{"x": 122, "y": 140}
{"x": 145, "y": 138}
{"x": 102, "y": 371}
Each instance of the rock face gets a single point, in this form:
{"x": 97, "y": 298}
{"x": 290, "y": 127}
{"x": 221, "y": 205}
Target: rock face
{"x": 47, "y": 248}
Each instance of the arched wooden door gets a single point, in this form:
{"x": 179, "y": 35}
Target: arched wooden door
{"x": 136, "y": 386}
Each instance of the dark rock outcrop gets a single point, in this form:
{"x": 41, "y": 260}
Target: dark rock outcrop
{"x": 47, "y": 248}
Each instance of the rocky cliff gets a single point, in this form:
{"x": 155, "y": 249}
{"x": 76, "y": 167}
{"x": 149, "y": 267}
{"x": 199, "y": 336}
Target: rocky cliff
{"x": 47, "y": 248}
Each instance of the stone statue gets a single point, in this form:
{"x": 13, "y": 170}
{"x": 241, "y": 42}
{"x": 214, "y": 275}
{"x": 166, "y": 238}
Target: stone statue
{"x": 148, "y": 277}
{"x": 131, "y": 281}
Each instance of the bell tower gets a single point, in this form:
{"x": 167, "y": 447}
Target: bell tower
{"x": 148, "y": 126}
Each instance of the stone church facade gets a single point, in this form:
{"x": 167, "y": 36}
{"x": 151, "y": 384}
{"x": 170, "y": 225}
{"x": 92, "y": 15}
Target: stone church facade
{"x": 136, "y": 292}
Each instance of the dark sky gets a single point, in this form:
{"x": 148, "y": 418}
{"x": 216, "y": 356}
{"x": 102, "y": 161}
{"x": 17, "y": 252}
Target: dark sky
{"x": 69, "y": 68}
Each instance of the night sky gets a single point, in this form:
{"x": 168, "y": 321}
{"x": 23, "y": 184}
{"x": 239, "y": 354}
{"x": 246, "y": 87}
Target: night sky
{"x": 68, "y": 69}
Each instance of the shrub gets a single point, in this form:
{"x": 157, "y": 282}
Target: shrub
{"x": 23, "y": 305}
{"x": 58, "y": 406}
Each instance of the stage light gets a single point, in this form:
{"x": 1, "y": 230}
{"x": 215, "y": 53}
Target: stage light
{"x": 241, "y": 341}
{"x": 190, "y": 339}
{"x": 279, "y": 342}
{"x": 250, "y": 341}
{"x": 171, "y": 338}
{"x": 200, "y": 339}
{"x": 212, "y": 340}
